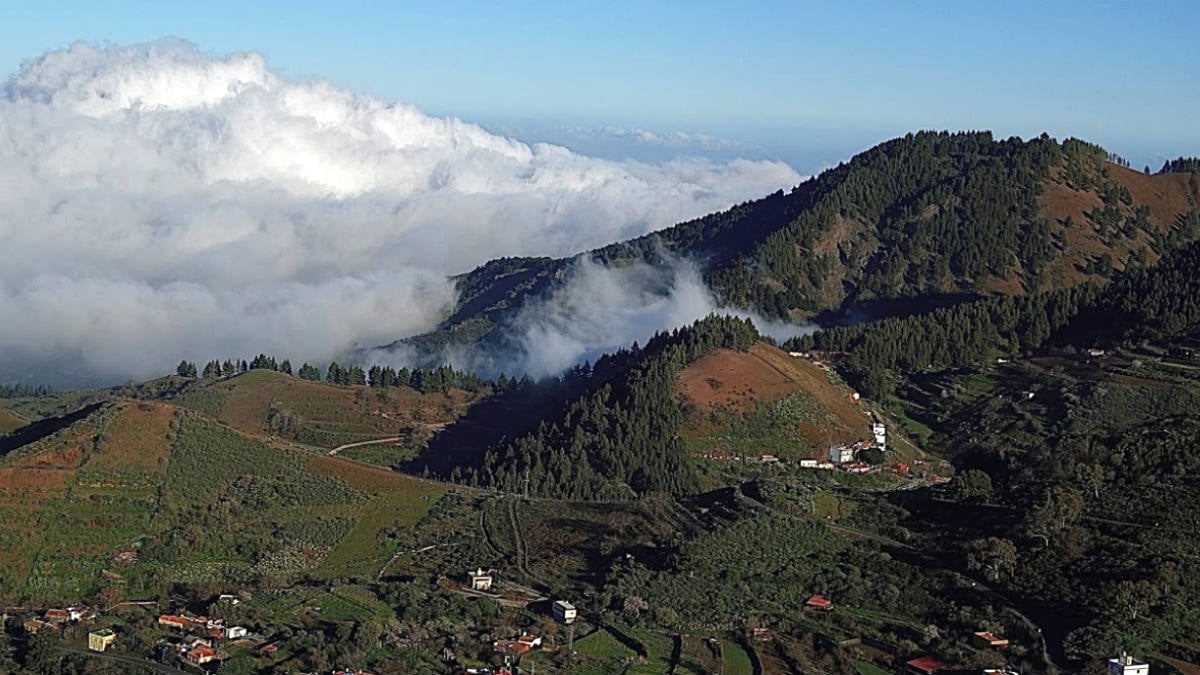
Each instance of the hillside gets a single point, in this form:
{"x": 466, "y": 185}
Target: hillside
{"x": 137, "y": 494}
{"x": 269, "y": 403}
{"x": 764, "y": 401}
{"x": 932, "y": 218}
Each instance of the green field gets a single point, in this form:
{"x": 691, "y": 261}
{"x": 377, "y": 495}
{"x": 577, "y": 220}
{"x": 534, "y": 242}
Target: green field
{"x": 735, "y": 660}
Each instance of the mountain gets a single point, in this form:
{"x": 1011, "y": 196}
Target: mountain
{"x": 928, "y": 219}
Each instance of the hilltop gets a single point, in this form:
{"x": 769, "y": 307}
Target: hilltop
{"x": 928, "y": 219}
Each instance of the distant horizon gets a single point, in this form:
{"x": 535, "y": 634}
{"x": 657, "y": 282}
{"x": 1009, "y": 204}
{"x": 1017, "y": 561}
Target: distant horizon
{"x": 806, "y": 84}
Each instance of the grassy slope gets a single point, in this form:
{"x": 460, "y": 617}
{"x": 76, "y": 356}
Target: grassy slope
{"x": 202, "y": 500}
{"x": 323, "y": 415}
{"x": 10, "y": 421}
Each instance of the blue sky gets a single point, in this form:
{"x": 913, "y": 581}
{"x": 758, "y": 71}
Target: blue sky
{"x": 808, "y": 82}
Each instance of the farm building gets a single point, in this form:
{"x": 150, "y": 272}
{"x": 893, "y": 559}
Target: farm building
{"x": 925, "y": 665}
{"x": 479, "y": 580}
{"x": 1127, "y": 665}
{"x": 564, "y": 612}
{"x": 988, "y": 639}
{"x": 32, "y": 626}
{"x": 100, "y": 640}
{"x": 820, "y": 603}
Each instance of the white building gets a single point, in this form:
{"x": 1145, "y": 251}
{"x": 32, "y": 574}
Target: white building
{"x": 841, "y": 454}
{"x": 1127, "y": 665}
{"x": 564, "y": 612}
{"x": 233, "y": 632}
{"x": 880, "y": 432}
{"x": 479, "y": 580}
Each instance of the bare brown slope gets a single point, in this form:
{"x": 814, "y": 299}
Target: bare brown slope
{"x": 736, "y": 381}
{"x": 1168, "y": 196}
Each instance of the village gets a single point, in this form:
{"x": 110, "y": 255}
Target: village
{"x": 191, "y": 643}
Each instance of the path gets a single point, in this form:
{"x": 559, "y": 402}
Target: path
{"x": 377, "y": 441}
{"x": 147, "y": 664}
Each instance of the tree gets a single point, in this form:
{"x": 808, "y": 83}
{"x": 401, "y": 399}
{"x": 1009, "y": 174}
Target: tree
{"x": 285, "y": 367}
{"x": 1059, "y": 508}
{"x": 309, "y": 372}
{"x": 186, "y": 369}
{"x": 972, "y": 484}
{"x": 996, "y": 558}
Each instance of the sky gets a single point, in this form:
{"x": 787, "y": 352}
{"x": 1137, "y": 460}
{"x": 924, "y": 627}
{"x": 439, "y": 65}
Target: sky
{"x": 186, "y": 180}
{"x": 809, "y": 83}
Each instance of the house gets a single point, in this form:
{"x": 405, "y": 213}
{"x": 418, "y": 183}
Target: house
{"x": 231, "y": 599}
{"x": 32, "y": 626}
{"x": 201, "y": 654}
{"x": 841, "y": 454}
{"x": 768, "y": 459}
{"x": 479, "y": 580}
{"x": 172, "y": 621}
{"x": 808, "y": 463}
{"x": 1127, "y": 665}
{"x": 925, "y": 665}
{"x": 57, "y": 616}
{"x": 564, "y": 612}
{"x": 100, "y": 640}
{"x": 518, "y": 646}
{"x": 215, "y": 633}
{"x": 234, "y": 632}
{"x": 269, "y": 649}
{"x": 820, "y": 603}
{"x": 985, "y": 639}
{"x": 879, "y": 431}
{"x": 761, "y": 634}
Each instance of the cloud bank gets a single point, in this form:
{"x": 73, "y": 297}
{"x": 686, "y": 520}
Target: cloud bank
{"x": 157, "y": 202}
{"x": 599, "y": 310}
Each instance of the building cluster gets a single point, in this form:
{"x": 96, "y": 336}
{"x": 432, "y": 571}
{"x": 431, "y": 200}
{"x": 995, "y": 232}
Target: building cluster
{"x": 202, "y": 635}
{"x": 54, "y": 618}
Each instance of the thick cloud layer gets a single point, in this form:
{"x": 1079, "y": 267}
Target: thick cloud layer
{"x": 157, "y": 203}
{"x": 599, "y": 310}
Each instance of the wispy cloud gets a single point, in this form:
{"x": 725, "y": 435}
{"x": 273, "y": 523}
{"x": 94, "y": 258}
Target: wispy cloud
{"x": 159, "y": 202}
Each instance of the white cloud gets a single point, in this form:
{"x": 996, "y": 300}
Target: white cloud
{"x": 158, "y": 202}
{"x": 599, "y": 310}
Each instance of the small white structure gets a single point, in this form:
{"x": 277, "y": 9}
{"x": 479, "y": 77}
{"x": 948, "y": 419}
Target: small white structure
{"x": 479, "y": 580}
{"x": 841, "y": 454}
{"x": 564, "y": 612}
{"x": 234, "y": 632}
{"x": 808, "y": 463}
{"x": 880, "y": 432}
{"x": 1127, "y": 665}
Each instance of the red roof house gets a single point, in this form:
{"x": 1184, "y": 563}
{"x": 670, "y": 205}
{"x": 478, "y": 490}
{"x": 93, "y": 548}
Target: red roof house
{"x": 57, "y": 615}
{"x": 173, "y": 621}
{"x": 819, "y": 602}
{"x": 201, "y": 654}
{"x": 927, "y": 665}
